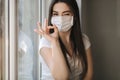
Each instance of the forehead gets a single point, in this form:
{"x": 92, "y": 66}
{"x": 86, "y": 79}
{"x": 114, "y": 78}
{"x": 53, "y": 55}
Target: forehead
{"x": 61, "y": 7}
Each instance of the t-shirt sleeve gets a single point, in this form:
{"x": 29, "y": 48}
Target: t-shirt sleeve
{"x": 44, "y": 43}
{"x": 86, "y": 41}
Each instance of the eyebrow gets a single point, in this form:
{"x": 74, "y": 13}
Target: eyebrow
{"x": 64, "y": 11}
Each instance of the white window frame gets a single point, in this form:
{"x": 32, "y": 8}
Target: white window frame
{"x": 9, "y": 44}
{"x": 9, "y": 71}
{"x": 12, "y": 39}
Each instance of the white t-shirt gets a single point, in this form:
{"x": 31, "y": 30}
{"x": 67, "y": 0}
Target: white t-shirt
{"x": 75, "y": 71}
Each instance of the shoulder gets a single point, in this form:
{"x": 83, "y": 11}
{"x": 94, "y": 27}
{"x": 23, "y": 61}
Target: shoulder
{"x": 44, "y": 43}
{"x": 86, "y": 41}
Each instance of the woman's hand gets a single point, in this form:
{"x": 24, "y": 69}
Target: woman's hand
{"x": 45, "y": 31}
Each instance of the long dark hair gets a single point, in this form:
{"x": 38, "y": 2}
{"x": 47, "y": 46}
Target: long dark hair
{"x": 75, "y": 36}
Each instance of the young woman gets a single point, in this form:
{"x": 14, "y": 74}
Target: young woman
{"x": 64, "y": 50}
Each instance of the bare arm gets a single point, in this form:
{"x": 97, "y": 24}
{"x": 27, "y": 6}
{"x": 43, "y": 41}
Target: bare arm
{"x": 55, "y": 61}
{"x": 53, "y": 56}
{"x": 89, "y": 74}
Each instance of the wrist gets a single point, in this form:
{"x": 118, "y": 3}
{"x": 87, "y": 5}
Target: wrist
{"x": 55, "y": 42}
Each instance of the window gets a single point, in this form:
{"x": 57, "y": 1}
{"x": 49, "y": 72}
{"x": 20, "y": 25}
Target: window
{"x": 19, "y": 58}
{"x": 29, "y": 13}
{"x": 28, "y": 58}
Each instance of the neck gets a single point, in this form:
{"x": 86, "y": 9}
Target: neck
{"x": 65, "y": 37}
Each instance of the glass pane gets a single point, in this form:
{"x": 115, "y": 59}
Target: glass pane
{"x": 1, "y": 35}
{"x": 28, "y": 15}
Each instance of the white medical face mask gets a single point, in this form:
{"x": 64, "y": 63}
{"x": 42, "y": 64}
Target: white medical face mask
{"x": 64, "y": 23}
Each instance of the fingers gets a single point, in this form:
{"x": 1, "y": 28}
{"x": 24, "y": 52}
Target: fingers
{"x": 46, "y": 28}
{"x": 39, "y": 27}
{"x": 42, "y": 30}
{"x": 45, "y": 32}
{"x": 39, "y": 30}
{"x": 55, "y": 28}
{"x": 45, "y": 24}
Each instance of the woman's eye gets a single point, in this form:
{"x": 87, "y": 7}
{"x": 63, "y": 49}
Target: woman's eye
{"x": 66, "y": 14}
{"x": 55, "y": 14}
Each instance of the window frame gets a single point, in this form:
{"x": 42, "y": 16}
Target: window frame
{"x": 10, "y": 39}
